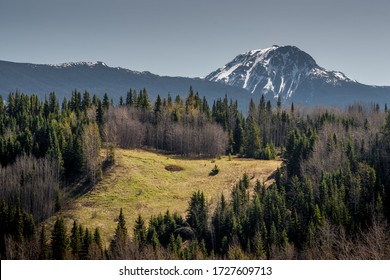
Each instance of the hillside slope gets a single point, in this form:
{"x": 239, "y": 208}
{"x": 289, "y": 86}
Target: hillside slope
{"x": 98, "y": 78}
{"x": 140, "y": 184}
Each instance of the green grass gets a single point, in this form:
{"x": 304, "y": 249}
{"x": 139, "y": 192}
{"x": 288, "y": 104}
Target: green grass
{"x": 140, "y": 184}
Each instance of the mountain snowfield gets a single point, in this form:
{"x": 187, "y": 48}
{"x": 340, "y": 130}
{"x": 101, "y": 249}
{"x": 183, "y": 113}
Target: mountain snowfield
{"x": 292, "y": 74}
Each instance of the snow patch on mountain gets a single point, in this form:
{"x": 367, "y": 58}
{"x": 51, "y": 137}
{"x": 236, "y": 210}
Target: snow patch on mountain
{"x": 225, "y": 73}
{"x": 76, "y": 64}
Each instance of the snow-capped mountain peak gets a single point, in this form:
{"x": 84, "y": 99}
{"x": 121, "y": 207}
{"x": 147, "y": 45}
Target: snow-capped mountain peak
{"x": 278, "y": 70}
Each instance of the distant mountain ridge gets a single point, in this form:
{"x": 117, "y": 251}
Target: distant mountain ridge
{"x": 284, "y": 71}
{"x": 98, "y": 78}
{"x": 292, "y": 74}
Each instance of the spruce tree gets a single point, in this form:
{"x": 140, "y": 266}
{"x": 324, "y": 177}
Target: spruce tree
{"x": 59, "y": 240}
{"x": 97, "y": 238}
{"x": 153, "y": 238}
{"x": 253, "y": 145}
{"x": 169, "y": 101}
{"x": 120, "y": 242}
{"x": 106, "y": 102}
{"x": 54, "y": 107}
{"x": 172, "y": 244}
{"x": 86, "y": 244}
{"x": 197, "y": 214}
{"x": 86, "y": 103}
{"x": 75, "y": 240}
{"x": 140, "y": 231}
{"x": 157, "y": 105}
{"x": 129, "y": 98}
{"x": 238, "y": 136}
{"x": 252, "y": 113}
{"x": 100, "y": 113}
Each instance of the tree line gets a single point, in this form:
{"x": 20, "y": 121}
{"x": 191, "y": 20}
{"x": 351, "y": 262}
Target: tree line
{"x": 180, "y": 127}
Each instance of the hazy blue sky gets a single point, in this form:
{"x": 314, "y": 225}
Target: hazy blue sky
{"x": 193, "y": 38}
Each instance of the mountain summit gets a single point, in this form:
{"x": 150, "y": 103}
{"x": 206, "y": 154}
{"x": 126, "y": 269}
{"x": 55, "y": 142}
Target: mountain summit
{"x": 292, "y": 74}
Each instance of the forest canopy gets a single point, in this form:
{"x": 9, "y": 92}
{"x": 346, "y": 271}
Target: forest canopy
{"x": 330, "y": 199}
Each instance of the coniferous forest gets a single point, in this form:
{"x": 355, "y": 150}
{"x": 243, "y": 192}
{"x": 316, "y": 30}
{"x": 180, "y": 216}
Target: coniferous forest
{"x": 329, "y": 200}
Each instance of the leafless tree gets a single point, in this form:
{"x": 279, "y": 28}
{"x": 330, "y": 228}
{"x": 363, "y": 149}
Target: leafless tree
{"x": 91, "y": 151}
{"x": 130, "y": 127}
{"x": 33, "y": 183}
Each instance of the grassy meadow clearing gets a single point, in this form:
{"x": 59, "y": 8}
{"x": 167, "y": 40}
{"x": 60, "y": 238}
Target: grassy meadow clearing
{"x": 149, "y": 183}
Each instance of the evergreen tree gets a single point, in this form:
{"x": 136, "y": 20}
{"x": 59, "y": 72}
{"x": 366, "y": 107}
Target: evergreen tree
{"x": 206, "y": 109}
{"x": 252, "y": 113}
{"x": 153, "y": 238}
{"x": 54, "y": 107}
{"x": 169, "y": 101}
{"x": 238, "y": 136}
{"x": 252, "y": 147}
{"x": 95, "y": 100}
{"x": 129, "y": 98}
{"x": 262, "y": 107}
{"x": 157, "y": 105}
{"x": 121, "y": 223}
{"x": 140, "y": 233}
{"x": 106, "y": 102}
{"x": 86, "y": 244}
{"x": 75, "y": 240}
{"x": 59, "y": 240}
{"x": 120, "y": 242}
{"x": 86, "y": 103}
{"x": 172, "y": 246}
{"x": 97, "y": 239}
{"x": 197, "y": 214}
{"x": 100, "y": 113}
{"x": 11, "y": 104}
{"x": 143, "y": 101}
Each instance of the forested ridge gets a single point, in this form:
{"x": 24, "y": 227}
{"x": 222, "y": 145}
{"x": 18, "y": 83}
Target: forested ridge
{"x": 330, "y": 199}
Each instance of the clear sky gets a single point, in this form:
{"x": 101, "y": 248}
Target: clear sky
{"x": 193, "y": 38}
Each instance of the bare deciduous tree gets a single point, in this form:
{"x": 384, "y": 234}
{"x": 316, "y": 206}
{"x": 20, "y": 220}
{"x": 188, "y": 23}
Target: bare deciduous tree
{"x": 91, "y": 151}
{"x": 130, "y": 127}
{"x": 33, "y": 183}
